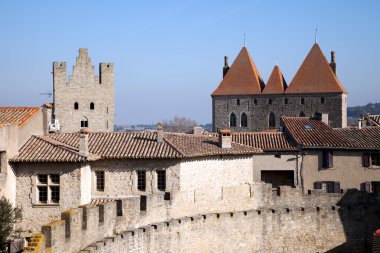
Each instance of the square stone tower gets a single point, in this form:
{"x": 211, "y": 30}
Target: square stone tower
{"x": 84, "y": 100}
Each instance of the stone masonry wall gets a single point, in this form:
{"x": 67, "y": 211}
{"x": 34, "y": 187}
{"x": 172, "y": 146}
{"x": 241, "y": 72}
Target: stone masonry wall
{"x": 261, "y": 221}
{"x": 258, "y": 114}
{"x": 84, "y": 87}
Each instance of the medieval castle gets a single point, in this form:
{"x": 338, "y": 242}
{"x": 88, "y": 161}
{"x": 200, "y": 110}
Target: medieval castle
{"x": 309, "y": 184}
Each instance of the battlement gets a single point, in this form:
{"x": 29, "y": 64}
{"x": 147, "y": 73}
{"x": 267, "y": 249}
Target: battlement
{"x": 149, "y": 216}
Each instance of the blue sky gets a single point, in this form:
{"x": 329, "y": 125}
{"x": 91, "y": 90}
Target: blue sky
{"x": 168, "y": 55}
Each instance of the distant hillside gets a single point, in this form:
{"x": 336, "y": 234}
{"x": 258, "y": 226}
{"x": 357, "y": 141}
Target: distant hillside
{"x": 353, "y": 113}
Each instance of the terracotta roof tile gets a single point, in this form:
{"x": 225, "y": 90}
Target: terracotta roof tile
{"x": 64, "y": 147}
{"x": 17, "y": 115}
{"x": 276, "y": 83}
{"x": 365, "y": 138}
{"x": 315, "y": 75}
{"x": 242, "y": 78}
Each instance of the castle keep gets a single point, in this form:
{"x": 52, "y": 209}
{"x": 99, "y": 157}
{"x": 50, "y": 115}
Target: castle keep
{"x": 84, "y": 99}
{"x": 242, "y": 102}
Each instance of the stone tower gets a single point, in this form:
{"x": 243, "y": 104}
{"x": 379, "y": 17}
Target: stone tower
{"x": 242, "y": 102}
{"x": 84, "y": 100}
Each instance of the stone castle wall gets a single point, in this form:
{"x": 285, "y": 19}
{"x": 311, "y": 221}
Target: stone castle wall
{"x": 84, "y": 87}
{"x": 258, "y": 114}
{"x": 251, "y": 218}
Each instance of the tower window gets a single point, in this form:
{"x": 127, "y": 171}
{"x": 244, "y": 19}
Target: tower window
{"x": 161, "y": 180}
{"x": 302, "y": 101}
{"x": 243, "y": 120}
{"x": 286, "y": 101}
{"x": 92, "y": 106}
{"x": 322, "y": 100}
{"x": 232, "y": 120}
{"x": 255, "y": 101}
{"x": 272, "y": 120}
{"x": 84, "y": 122}
{"x": 76, "y": 105}
{"x": 237, "y": 101}
{"x": 269, "y": 101}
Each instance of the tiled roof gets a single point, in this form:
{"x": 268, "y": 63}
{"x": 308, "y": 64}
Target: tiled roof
{"x": 315, "y": 75}
{"x": 65, "y": 147}
{"x": 375, "y": 119}
{"x": 17, "y": 115}
{"x": 44, "y": 149}
{"x": 311, "y": 133}
{"x": 267, "y": 141}
{"x": 276, "y": 83}
{"x": 242, "y": 78}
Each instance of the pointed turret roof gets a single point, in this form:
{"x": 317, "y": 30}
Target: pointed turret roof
{"x": 315, "y": 75}
{"x": 242, "y": 78}
{"x": 276, "y": 83}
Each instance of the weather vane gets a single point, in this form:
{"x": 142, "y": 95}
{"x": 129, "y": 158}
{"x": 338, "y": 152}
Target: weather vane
{"x": 316, "y": 36}
{"x": 244, "y": 39}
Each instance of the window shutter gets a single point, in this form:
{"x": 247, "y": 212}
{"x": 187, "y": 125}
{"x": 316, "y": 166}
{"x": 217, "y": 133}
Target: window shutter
{"x": 366, "y": 157}
{"x": 368, "y": 186}
{"x": 337, "y": 187}
{"x": 324, "y": 159}
{"x": 330, "y": 159}
{"x": 317, "y": 185}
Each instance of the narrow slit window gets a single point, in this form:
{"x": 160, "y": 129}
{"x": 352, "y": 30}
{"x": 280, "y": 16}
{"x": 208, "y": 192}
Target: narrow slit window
{"x": 302, "y": 101}
{"x": 141, "y": 180}
{"x": 76, "y": 105}
{"x": 161, "y": 180}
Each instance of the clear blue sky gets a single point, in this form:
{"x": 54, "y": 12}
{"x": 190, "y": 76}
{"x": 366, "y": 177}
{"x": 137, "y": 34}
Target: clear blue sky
{"x": 168, "y": 55}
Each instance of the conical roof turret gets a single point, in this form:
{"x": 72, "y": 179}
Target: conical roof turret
{"x": 276, "y": 83}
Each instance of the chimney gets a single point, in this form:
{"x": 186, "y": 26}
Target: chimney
{"x": 325, "y": 118}
{"x": 160, "y": 133}
{"x": 360, "y": 122}
{"x": 83, "y": 142}
{"x": 225, "y": 67}
{"x": 46, "y": 117}
{"x": 198, "y": 131}
{"x": 333, "y": 63}
{"x": 225, "y": 138}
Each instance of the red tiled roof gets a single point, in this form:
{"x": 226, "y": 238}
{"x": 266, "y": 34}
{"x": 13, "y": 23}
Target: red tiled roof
{"x": 242, "y": 78}
{"x": 65, "y": 147}
{"x": 276, "y": 83}
{"x": 17, "y": 115}
{"x": 311, "y": 133}
{"x": 315, "y": 75}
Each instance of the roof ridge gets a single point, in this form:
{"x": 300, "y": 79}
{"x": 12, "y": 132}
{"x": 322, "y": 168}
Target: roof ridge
{"x": 61, "y": 145}
{"x": 174, "y": 147}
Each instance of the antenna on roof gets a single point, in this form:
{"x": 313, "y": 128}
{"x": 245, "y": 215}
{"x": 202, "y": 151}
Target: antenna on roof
{"x": 316, "y": 36}
{"x": 49, "y": 94}
{"x": 244, "y": 39}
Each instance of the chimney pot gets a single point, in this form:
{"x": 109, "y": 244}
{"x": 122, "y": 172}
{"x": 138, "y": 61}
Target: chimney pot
{"x": 160, "y": 133}
{"x": 83, "y": 142}
{"x": 225, "y": 67}
{"x": 225, "y": 138}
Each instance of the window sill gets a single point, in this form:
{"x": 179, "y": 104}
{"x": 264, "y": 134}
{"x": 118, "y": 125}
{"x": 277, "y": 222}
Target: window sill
{"x": 374, "y": 167}
{"x": 45, "y": 205}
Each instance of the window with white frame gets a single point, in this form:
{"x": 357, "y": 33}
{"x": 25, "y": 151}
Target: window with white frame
{"x": 48, "y": 188}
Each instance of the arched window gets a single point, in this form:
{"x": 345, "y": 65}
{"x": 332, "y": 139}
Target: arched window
{"x": 286, "y": 101}
{"x": 76, "y": 105}
{"x": 317, "y": 116}
{"x": 232, "y": 120}
{"x": 243, "y": 120}
{"x": 92, "y": 106}
{"x": 302, "y": 114}
{"x": 322, "y": 100}
{"x": 237, "y": 101}
{"x": 302, "y": 101}
{"x": 255, "y": 101}
{"x": 269, "y": 101}
{"x": 272, "y": 120}
{"x": 84, "y": 122}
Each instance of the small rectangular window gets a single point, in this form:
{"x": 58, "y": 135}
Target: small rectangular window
{"x": 99, "y": 180}
{"x": 142, "y": 203}
{"x": 42, "y": 194}
{"x": 119, "y": 207}
{"x": 141, "y": 180}
{"x": 327, "y": 159}
{"x": 375, "y": 159}
{"x": 161, "y": 180}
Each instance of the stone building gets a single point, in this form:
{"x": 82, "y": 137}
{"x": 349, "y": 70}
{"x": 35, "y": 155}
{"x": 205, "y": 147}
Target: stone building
{"x": 17, "y": 124}
{"x": 84, "y": 99}
{"x": 242, "y": 102}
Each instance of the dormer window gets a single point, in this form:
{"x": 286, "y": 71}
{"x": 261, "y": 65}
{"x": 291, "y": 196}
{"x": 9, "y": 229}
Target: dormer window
{"x": 92, "y": 106}
{"x": 76, "y": 106}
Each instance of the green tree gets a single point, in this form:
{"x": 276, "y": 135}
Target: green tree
{"x": 9, "y": 215}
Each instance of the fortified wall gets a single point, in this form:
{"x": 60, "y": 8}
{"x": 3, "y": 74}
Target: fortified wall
{"x": 249, "y": 218}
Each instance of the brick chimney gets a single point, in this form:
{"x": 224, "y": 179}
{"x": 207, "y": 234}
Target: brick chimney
{"x": 83, "y": 142}
{"x": 333, "y": 63}
{"x": 46, "y": 117}
{"x": 160, "y": 133}
{"x": 225, "y": 67}
{"x": 225, "y": 138}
